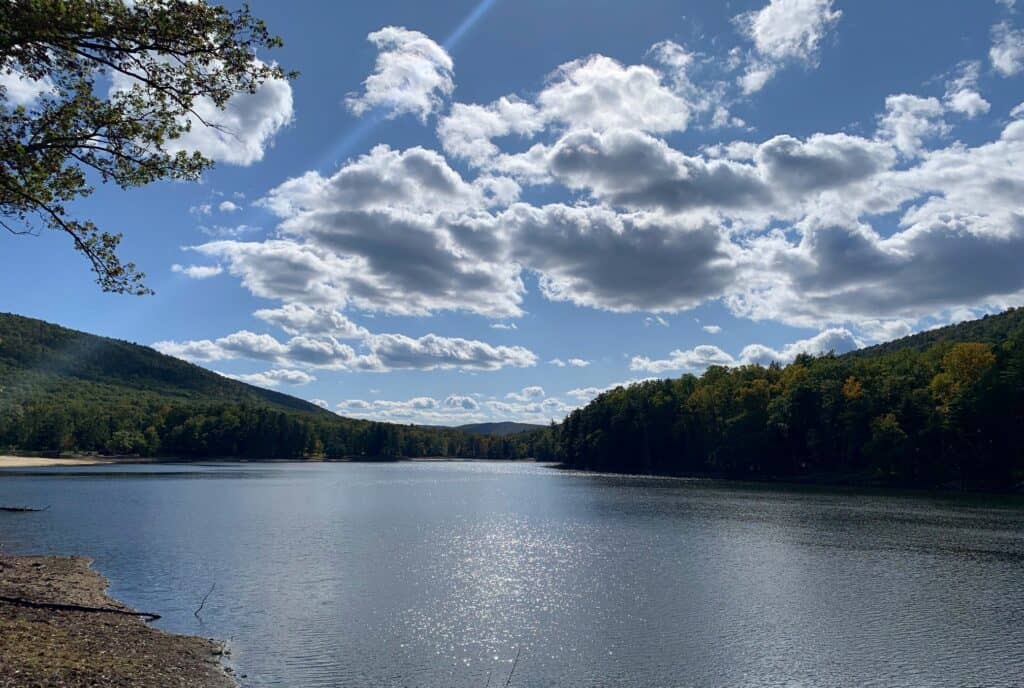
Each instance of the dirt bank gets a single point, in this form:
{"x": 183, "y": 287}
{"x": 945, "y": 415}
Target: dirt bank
{"x": 46, "y": 641}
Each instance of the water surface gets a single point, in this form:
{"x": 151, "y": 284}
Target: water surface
{"x": 438, "y": 574}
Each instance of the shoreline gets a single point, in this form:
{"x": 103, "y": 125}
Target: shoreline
{"x": 61, "y": 628}
{"x": 10, "y": 461}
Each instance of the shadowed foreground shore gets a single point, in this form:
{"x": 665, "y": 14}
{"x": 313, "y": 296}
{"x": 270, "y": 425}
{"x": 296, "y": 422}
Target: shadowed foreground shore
{"x": 48, "y": 640}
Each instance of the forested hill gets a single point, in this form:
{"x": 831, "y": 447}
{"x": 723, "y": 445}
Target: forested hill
{"x": 67, "y": 391}
{"x": 500, "y": 428}
{"x": 941, "y": 407}
{"x": 36, "y": 356}
{"x": 991, "y": 329}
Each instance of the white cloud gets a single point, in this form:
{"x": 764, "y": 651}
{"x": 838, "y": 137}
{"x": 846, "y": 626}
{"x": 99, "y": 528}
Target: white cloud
{"x": 594, "y": 257}
{"x": 298, "y": 318}
{"x": 18, "y": 89}
{"x": 433, "y": 351}
{"x": 789, "y": 29}
{"x": 245, "y": 127}
{"x": 599, "y": 93}
{"x": 692, "y": 360}
{"x": 1007, "y": 52}
{"x": 836, "y": 340}
{"x": 467, "y": 131}
{"x": 909, "y": 120}
{"x": 464, "y": 403}
{"x": 712, "y": 329}
{"x": 413, "y": 75}
{"x": 655, "y": 320}
{"x": 700, "y": 358}
{"x": 228, "y": 207}
{"x": 273, "y": 378}
{"x": 527, "y": 394}
{"x": 961, "y": 91}
{"x": 784, "y": 31}
{"x": 384, "y": 352}
{"x": 504, "y": 326}
{"x": 394, "y": 231}
{"x": 197, "y": 272}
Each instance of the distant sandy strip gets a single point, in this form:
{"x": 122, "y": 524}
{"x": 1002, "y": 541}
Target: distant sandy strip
{"x": 37, "y": 461}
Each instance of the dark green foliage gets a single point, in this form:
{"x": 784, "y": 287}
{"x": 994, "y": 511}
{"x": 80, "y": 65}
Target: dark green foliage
{"x": 942, "y": 407}
{"x": 67, "y": 391}
{"x": 172, "y": 56}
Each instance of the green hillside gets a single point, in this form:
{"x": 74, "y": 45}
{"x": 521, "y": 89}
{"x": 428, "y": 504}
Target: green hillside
{"x": 37, "y": 358}
{"x": 63, "y": 391}
{"x": 991, "y": 329}
{"x": 945, "y": 407}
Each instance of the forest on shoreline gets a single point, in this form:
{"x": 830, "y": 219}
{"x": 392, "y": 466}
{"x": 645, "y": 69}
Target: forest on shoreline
{"x": 944, "y": 407}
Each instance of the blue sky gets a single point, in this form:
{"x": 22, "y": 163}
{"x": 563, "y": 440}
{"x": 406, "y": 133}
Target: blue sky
{"x": 470, "y": 211}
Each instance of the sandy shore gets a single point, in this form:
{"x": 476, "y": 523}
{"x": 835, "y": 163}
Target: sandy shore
{"x": 37, "y": 461}
{"x": 46, "y": 641}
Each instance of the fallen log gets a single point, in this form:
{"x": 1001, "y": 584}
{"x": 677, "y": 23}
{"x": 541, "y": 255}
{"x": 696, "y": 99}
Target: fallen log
{"x": 57, "y": 606}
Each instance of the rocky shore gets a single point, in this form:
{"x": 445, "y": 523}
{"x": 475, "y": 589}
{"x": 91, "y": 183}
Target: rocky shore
{"x": 53, "y": 634}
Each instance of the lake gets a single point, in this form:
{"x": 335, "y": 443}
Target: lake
{"x": 438, "y": 574}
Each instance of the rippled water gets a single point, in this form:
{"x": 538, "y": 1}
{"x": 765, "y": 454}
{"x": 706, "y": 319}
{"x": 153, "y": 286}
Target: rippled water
{"x": 437, "y": 574}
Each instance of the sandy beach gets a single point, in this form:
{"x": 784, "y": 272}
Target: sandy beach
{"x": 39, "y": 461}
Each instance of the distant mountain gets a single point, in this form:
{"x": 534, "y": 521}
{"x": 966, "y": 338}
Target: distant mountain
{"x": 499, "y": 429}
{"x": 36, "y": 356}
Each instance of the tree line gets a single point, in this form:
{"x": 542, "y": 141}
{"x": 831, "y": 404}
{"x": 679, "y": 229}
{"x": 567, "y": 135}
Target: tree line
{"x": 930, "y": 411}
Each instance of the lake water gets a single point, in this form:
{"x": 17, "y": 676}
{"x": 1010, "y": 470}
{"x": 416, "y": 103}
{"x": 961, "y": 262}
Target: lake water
{"x": 438, "y": 574}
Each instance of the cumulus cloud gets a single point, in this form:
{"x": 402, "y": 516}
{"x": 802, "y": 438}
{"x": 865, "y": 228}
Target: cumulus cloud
{"x": 298, "y": 318}
{"x": 383, "y": 352}
{"x": 468, "y": 130}
{"x": 244, "y": 129}
{"x": 273, "y": 378}
{"x": 962, "y": 91}
{"x": 599, "y": 93}
{"x": 461, "y": 402}
{"x": 197, "y": 272}
{"x": 909, "y": 120}
{"x": 784, "y": 31}
{"x": 711, "y": 329}
{"x": 1007, "y": 51}
{"x": 700, "y": 358}
{"x": 697, "y": 359}
{"x": 595, "y": 257}
{"x": 834, "y": 340}
{"x": 228, "y": 207}
{"x": 527, "y": 394}
{"x": 393, "y": 231}
{"x": 433, "y": 351}
{"x": 572, "y": 362}
{"x": 413, "y": 75}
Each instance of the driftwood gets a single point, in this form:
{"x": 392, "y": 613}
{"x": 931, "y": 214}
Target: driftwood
{"x": 203, "y": 603}
{"x": 509, "y": 681}
{"x": 23, "y": 509}
{"x": 57, "y": 606}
